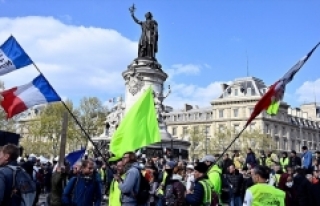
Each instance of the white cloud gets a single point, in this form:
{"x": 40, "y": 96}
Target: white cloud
{"x": 193, "y": 94}
{"x": 76, "y": 59}
{"x": 183, "y": 69}
{"x": 87, "y": 61}
{"x": 309, "y": 91}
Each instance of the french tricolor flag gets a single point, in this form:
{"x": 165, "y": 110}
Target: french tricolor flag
{"x": 12, "y": 56}
{"x": 19, "y": 99}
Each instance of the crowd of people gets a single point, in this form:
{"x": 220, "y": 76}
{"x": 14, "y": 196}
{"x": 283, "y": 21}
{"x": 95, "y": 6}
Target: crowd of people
{"x": 252, "y": 179}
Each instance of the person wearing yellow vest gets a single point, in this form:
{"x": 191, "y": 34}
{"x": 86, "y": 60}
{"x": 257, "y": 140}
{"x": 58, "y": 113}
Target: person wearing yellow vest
{"x": 269, "y": 162}
{"x": 115, "y": 193}
{"x": 201, "y": 194}
{"x": 214, "y": 174}
{"x": 262, "y": 194}
{"x": 284, "y": 161}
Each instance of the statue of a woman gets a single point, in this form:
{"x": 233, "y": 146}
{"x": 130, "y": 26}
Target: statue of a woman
{"x": 148, "y": 43}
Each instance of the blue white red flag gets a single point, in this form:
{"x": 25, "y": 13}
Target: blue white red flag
{"x": 75, "y": 156}
{"x": 12, "y": 56}
{"x": 21, "y": 98}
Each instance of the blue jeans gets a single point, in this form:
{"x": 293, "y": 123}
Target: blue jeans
{"x": 235, "y": 201}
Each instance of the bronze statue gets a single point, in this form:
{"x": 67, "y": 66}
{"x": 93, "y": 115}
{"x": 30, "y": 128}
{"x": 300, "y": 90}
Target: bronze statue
{"x": 148, "y": 43}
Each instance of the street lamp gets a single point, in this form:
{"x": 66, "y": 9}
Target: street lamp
{"x": 206, "y": 132}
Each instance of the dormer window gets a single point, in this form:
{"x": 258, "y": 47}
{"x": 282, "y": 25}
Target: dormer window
{"x": 235, "y": 92}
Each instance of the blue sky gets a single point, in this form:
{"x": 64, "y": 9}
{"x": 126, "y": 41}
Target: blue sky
{"x": 202, "y": 43}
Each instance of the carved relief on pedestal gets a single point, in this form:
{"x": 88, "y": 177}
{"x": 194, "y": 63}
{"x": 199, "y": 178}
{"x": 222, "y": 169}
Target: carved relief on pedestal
{"x": 114, "y": 118}
{"x": 134, "y": 81}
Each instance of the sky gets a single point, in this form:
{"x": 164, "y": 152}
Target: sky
{"x": 83, "y": 47}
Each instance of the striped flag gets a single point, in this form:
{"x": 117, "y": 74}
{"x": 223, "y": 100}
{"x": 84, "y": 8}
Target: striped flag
{"x": 271, "y": 100}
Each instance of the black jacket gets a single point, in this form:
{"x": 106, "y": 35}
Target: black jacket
{"x": 294, "y": 161}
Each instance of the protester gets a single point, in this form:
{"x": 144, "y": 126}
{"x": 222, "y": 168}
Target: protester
{"x": 214, "y": 174}
{"x": 10, "y": 190}
{"x": 306, "y": 160}
{"x": 129, "y": 186}
{"x": 294, "y": 160}
{"x": 84, "y": 189}
{"x": 201, "y": 194}
{"x": 58, "y": 183}
{"x": 235, "y": 181}
{"x": 115, "y": 193}
{"x": 190, "y": 177}
{"x": 261, "y": 193}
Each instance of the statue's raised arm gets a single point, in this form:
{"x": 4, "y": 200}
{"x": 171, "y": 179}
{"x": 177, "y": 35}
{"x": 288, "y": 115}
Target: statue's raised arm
{"x": 132, "y": 10}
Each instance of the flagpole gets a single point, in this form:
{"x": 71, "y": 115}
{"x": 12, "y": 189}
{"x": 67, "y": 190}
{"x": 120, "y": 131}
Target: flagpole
{"x": 74, "y": 117}
{"x": 232, "y": 142}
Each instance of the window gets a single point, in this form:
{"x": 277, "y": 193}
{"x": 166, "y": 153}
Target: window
{"x": 250, "y": 111}
{"x": 267, "y": 129}
{"x": 196, "y": 129}
{"x": 284, "y": 133}
{"x": 275, "y": 129}
{"x": 207, "y": 129}
{"x": 200, "y": 116}
{"x": 174, "y": 131}
{"x": 221, "y": 128}
{"x": 174, "y": 118}
{"x": 221, "y": 113}
{"x": 235, "y": 92}
{"x": 235, "y": 112}
{"x": 184, "y": 131}
{"x": 252, "y": 126}
{"x": 236, "y": 128}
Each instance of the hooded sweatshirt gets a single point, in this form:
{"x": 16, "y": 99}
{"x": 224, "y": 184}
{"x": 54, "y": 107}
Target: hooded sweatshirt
{"x": 214, "y": 175}
{"x": 130, "y": 185}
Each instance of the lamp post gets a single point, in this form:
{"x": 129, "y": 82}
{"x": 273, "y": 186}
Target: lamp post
{"x": 206, "y": 132}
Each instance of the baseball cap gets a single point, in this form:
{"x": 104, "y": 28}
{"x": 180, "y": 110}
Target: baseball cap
{"x": 171, "y": 164}
{"x": 208, "y": 158}
{"x": 191, "y": 167}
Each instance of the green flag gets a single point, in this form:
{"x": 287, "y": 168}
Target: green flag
{"x": 273, "y": 108}
{"x": 138, "y": 128}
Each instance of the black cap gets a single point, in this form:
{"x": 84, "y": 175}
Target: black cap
{"x": 201, "y": 167}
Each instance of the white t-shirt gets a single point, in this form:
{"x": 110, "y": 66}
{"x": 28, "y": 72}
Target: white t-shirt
{"x": 248, "y": 198}
{"x": 190, "y": 181}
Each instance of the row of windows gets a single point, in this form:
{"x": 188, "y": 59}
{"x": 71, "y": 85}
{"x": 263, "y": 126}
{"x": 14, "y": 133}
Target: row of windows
{"x": 295, "y": 133}
{"x": 194, "y": 129}
{"x": 189, "y": 117}
{"x": 235, "y": 112}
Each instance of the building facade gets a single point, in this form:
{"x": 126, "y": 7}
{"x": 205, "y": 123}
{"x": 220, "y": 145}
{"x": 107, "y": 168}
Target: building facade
{"x": 290, "y": 129}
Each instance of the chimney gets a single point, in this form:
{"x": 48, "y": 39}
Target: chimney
{"x": 224, "y": 86}
{"x": 187, "y": 107}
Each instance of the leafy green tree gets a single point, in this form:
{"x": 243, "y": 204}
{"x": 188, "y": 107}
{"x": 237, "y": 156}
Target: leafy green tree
{"x": 92, "y": 115}
{"x": 222, "y": 138}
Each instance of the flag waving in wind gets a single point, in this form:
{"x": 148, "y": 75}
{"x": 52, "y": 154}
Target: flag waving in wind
{"x": 271, "y": 100}
{"x": 12, "y": 56}
{"x": 138, "y": 128}
{"x": 75, "y": 156}
{"x": 19, "y": 99}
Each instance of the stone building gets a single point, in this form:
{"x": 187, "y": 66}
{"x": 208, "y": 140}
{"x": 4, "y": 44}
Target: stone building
{"x": 290, "y": 129}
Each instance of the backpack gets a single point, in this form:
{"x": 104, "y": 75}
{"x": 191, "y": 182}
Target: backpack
{"x": 23, "y": 187}
{"x": 143, "y": 194}
{"x": 169, "y": 197}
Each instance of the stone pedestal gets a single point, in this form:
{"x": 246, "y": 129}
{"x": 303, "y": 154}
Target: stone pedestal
{"x": 141, "y": 74}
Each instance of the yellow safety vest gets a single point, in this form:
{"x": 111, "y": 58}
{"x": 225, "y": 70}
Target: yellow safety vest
{"x": 160, "y": 190}
{"x": 115, "y": 193}
{"x": 264, "y": 194}
{"x": 277, "y": 176}
{"x": 284, "y": 163}
{"x": 207, "y": 192}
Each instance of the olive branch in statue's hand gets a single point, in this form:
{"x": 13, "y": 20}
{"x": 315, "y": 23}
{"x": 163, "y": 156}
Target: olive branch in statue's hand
{"x": 132, "y": 9}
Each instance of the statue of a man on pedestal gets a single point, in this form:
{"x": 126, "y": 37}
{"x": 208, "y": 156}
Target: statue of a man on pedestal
{"x": 148, "y": 43}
